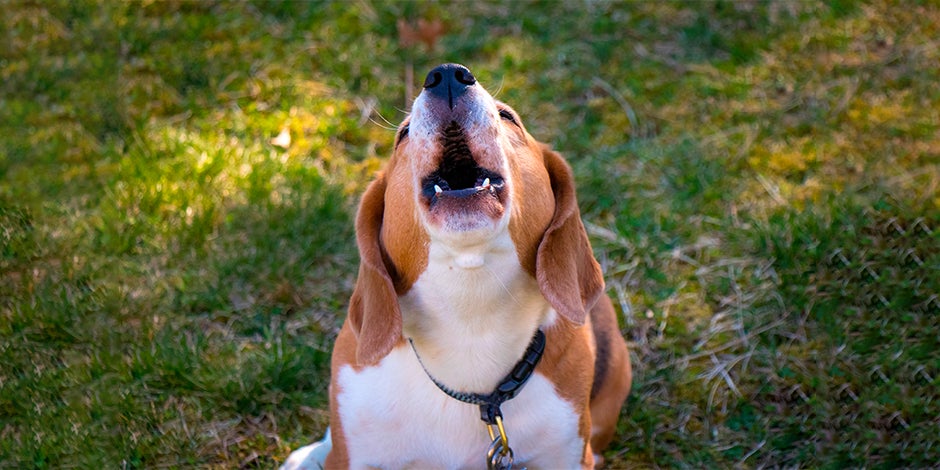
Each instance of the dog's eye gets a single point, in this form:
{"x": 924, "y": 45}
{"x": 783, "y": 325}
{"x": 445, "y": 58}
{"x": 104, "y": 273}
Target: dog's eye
{"x": 402, "y": 134}
{"x": 505, "y": 114}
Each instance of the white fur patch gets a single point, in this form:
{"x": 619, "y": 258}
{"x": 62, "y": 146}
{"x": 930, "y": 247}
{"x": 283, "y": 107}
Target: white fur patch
{"x": 482, "y": 315}
{"x": 395, "y": 418}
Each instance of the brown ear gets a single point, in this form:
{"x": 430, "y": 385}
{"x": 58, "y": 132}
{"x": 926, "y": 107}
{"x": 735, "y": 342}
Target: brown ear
{"x": 568, "y": 275}
{"x": 373, "y": 309}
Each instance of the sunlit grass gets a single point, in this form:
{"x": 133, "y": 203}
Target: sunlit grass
{"x": 760, "y": 182}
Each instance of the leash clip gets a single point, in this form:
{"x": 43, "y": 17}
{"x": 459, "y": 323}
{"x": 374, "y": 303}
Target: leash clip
{"x": 499, "y": 455}
{"x": 502, "y": 438}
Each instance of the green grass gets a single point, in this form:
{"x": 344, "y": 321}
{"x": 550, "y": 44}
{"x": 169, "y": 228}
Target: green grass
{"x": 761, "y": 182}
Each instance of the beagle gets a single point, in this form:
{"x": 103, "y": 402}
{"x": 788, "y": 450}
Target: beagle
{"x": 475, "y": 270}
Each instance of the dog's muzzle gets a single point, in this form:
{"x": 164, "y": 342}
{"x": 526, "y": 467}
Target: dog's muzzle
{"x": 462, "y": 180}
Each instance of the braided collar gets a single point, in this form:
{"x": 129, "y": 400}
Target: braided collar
{"x": 508, "y": 388}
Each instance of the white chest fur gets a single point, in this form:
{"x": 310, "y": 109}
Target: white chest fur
{"x": 471, "y": 315}
{"x": 395, "y": 418}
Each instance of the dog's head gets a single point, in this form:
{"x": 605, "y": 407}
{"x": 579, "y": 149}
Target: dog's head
{"x": 465, "y": 171}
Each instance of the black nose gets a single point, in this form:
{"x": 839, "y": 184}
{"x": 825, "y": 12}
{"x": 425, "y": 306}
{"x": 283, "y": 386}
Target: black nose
{"x": 449, "y": 81}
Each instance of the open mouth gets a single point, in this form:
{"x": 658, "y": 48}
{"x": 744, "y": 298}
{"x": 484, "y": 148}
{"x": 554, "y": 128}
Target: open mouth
{"x": 465, "y": 183}
{"x": 459, "y": 177}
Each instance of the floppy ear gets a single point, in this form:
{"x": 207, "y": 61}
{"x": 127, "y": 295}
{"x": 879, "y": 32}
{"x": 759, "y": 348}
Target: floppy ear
{"x": 373, "y": 309}
{"x": 567, "y": 273}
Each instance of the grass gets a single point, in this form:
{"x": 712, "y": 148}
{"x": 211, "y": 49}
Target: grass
{"x": 760, "y": 181}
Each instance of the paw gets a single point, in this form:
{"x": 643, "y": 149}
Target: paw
{"x": 311, "y": 457}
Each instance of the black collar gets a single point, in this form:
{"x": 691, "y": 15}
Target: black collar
{"x": 507, "y": 388}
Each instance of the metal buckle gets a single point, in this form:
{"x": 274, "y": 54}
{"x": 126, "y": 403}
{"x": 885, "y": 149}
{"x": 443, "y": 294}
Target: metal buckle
{"x": 499, "y": 455}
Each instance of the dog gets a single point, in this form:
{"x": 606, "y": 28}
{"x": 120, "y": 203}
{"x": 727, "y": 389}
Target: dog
{"x": 478, "y": 333}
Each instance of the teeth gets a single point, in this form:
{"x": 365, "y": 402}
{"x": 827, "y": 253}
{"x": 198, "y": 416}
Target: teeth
{"x": 486, "y": 182}
{"x": 437, "y": 189}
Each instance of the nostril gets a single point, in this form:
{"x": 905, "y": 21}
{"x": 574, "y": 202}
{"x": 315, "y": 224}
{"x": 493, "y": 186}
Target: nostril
{"x": 464, "y": 76}
{"x": 448, "y": 82}
{"x": 433, "y": 79}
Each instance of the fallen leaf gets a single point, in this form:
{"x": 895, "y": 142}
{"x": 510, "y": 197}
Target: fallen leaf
{"x": 283, "y": 139}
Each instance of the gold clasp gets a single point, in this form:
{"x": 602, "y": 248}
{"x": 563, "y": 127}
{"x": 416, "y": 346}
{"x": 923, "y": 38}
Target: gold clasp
{"x": 501, "y": 430}
{"x": 499, "y": 455}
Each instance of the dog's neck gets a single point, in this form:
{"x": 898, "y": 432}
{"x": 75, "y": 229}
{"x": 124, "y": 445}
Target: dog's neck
{"x": 472, "y": 312}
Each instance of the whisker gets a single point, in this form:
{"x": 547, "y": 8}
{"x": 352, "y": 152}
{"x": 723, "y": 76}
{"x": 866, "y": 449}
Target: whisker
{"x": 382, "y": 125}
{"x": 499, "y": 87}
{"x": 392, "y": 126}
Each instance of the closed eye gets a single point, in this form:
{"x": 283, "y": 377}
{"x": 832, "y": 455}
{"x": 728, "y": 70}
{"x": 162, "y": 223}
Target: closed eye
{"x": 402, "y": 134}
{"x": 505, "y": 114}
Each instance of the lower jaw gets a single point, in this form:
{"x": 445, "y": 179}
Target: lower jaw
{"x": 465, "y": 230}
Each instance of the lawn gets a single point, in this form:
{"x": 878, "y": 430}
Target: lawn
{"x": 761, "y": 183}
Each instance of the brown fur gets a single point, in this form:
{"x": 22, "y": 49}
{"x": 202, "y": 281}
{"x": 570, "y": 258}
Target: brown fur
{"x": 568, "y": 275}
{"x": 533, "y": 208}
{"x": 612, "y": 383}
{"x": 374, "y": 317}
